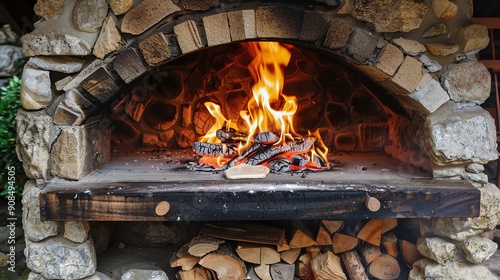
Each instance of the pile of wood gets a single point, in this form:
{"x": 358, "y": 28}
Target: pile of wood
{"x": 290, "y": 155}
{"x": 336, "y": 250}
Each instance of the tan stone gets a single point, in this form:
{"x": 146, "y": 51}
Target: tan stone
{"x": 63, "y": 64}
{"x": 188, "y": 36}
{"x": 145, "y": 14}
{"x": 409, "y": 74}
{"x": 439, "y": 49}
{"x": 409, "y": 46}
{"x": 436, "y": 248}
{"x": 199, "y": 5}
{"x": 76, "y": 231}
{"x": 155, "y": 49}
{"x": 435, "y": 30}
{"x": 62, "y": 82}
{"x": 63, "y": 115}
{"x": 345, "y": 9}
{"x": 468, "y": 81}
{"x": 217, "y": 29}
{"x": 428, "y": 269}
{"x": 79, "y": 150}
{"x": 119, "y": 7}
{"x": 478, "y": 249}
{"x": 278, "y": 22}
{"x": 391, "y": 15}
{"x": 389, "y": 59}
{"x": 49, "y": 9}
{"x": 362, "y": 44}
{"x": 88, "y": 15}
{"x": 473, "y": 38}
{"x": 129, "y": 65}
{"x": 109, "y": 40}
{"x": 445, "y": 9}
{"x": 242, "y": 24}
{"x": 338, "y": 34}
{"x": 36, "y": 91}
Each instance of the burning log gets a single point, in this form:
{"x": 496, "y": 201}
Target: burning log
{"x": 230, "y": 136}
{"x": 291, "y": 148}
{"x": 214, "y": 150}
{"x": 266, "y": 138}
{"x": 280, "y": 164}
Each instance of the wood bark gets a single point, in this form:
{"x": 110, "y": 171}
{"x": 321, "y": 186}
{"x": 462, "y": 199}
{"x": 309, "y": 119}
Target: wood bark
{"x": 353, "y": 265}
{"x": 202, "y": 245}
{"x": 184, "y": 259}
{"x": 282, "y": 271}
{"x": 390, "y": 244}
{"x": 246, "y": 232}
{"x": 409, "y": 252}
{"x": 369, "y": 252}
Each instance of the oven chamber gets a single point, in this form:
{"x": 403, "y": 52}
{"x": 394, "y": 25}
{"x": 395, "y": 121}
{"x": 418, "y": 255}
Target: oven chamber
{"x": 107, "y": 128}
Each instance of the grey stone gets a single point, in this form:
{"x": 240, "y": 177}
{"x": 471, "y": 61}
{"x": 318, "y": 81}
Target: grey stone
{"x": 188, "y": 36}
{"x": 390, "y": 59}
{"x": 362, "y": 44}
{"x": 35, "y": 276}
{"x": 36, "y": 88}
{"x": 217, "y": 29}
{"x": 119, "y": 7}
{"x": 313, "y": 24}
{"x": 97, "y": 276}
{"x": 391, "y": 15}
{"x": 428, "y": 269}
{"x": 62, "y": 83}
{"x": 76, "y": 231}
{"x": 80, "y": 103}
{"x": 431, "y": 65}
{"x": 88, "y": 15}
{"x": 479, "y": 249}
{"x": 49, "y": 38}
{"x": 9, "y": 55}
{"x": 63, "y": 115}
{"x": 80, "y": 150}
{"x": 242, "y": 24}
{"x": 34, "y": 228}
{"x": 448, "y": 171}
{"x": 467, "y": 81}
{"x": 63, "y": 64}
{"x": 129, "y": 65}
{"x": 435, "y": 30}
{"x": 36, "y": 133}
{"x": 461, "y": 135}
{"x": 338, "y": 34}
{"x": 409, "y": 46}
{"x": 59, "y": 258}
{"x": 461, "y": 229}
{"x": 436, "y": 248}
{"x": 199, "y": 5}
{"x": 278, "y": 22}
{"x": 475, "y": 168}
{"x": 110, "y": 39}
{"x": 477, "y": 177}
{"x": 428, "y": 96}
{"x": 146, "y": 14}
{"x": 49, "y": 9}
{"x": 140, "y": 274}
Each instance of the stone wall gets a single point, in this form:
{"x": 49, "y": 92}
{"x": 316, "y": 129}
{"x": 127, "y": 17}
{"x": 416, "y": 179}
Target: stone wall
{"x": 85, "y": 54}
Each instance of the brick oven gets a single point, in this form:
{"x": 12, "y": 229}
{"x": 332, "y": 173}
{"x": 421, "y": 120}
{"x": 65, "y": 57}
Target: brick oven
{"x": 119, "y": 99}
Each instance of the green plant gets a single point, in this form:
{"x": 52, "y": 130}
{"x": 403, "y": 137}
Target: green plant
{"x": 9, "y": 104}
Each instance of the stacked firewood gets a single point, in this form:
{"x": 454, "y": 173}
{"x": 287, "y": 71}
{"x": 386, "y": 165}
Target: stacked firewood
{"x": 337, "y": 250}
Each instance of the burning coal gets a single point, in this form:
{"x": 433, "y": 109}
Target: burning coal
{"x": 266, "y": 135}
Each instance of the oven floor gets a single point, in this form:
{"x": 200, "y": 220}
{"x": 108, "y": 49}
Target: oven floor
{"x": 131, "y": 185}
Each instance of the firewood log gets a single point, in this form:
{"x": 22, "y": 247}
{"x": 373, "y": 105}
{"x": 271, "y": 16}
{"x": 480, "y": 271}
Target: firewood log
{"x": 389, "y": 224}
{"x": 202, "y": 244}
{"x": 313, "y": 251}
{"x": 323, "y": 237}
{"x": 304, "y": 265}
{"x": 369, "y": 252}
{"x": 332, "y": 226}
{"x": 183, "y": 259}
{"x": 353, "y": 265}
{"x": 246, "y": 232}
{"x": 225, "y": 263}
{"x": 327, "y": 266}
{"x": 389, "y": 243}
{"x": 290, "y": 256}
{"x": 263, "y": 271}
{"x": 385, "y": 267}
{"x": 371, "y": 232}
{"x": 197, "y": 273}
{"x": 409, "y": 252}
{"x": 257, "y": 254}
{"x": 343, "y": 242}
{"x": 301, "y": 236}
{"x": 283, "y": 247}
{"x": 282, "y": 271}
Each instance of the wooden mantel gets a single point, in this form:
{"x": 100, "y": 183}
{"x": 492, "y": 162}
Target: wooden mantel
{"x": 130, "y": 189}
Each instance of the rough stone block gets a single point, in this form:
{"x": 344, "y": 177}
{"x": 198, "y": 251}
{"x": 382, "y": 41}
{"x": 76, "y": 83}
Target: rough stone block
{"x": 49, "y": 9}
{"x": 155, "y": 49}
{"x": 88, "y": 15}
{"x": 110, "y": 39}
{"x": 435, "y": 30}
{"x": 439, "y": 49}
{"x": 146, "y": 14}
{"x": 80, "y": 150}
{"x": 217, "y": 29}
{"x": 34, "y": 229}
{"x": 475, "y": 168}
{"x": 468, "y": 81}
{"x": 100, "y": 84}
{"x": 481, "y": 178}
{"x": 36, "y": 91}
{"x": 445, "y": 9}
{"x": 389, "y": 59}
{"x": 119, "y": 7}
{"x": 64, "y": 115}
{"x": 429, "y": 96}
{"x": 479, "y": 249}
{"x": 188, "y": 36}
{"x": 129, "y": 65}
{"x": 139, "y": 274}
{"x": 278, "y": 22}
{"x": 59, "y": 258}
{"x": 63, "y": 64}
{"x": 89, "y": 69}
{"x": 436, "y": 248}
{"x": 242, "y": 24}
{"x": 428, "y": 269}
{"x": 199, "y": 5}
{"x": 409, "y": 74}
{"x": 461, "y": 135}
{"x": 76, "y": 231}
{"x": 36, "y": 133}
{"x": 313, "y": 25}
{"x": 338, "y": 34}
{"x": 409, "y": 46}
{"x": 431, "y": 65}
{"x": 62, "y": 83}
{"x": 473, "y": 38}
{"x": 448, "y": 171}
{"x": 362, "y": 45}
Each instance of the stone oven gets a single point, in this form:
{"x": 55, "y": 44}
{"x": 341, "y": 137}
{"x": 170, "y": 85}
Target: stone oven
{"x": 114, "y": 98}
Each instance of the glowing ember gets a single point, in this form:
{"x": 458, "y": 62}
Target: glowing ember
{"x": 267, "y": 136}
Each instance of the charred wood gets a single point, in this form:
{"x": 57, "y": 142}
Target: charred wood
{"x": 214, "y": 150}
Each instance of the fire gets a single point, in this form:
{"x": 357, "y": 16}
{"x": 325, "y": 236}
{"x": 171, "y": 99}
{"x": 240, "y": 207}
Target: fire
{"x": 268, "y": 111}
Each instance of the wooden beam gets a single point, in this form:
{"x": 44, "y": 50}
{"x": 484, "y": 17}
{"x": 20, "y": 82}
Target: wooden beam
{"x": 489, "y": 22}
{"x": 492, "y": 65}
